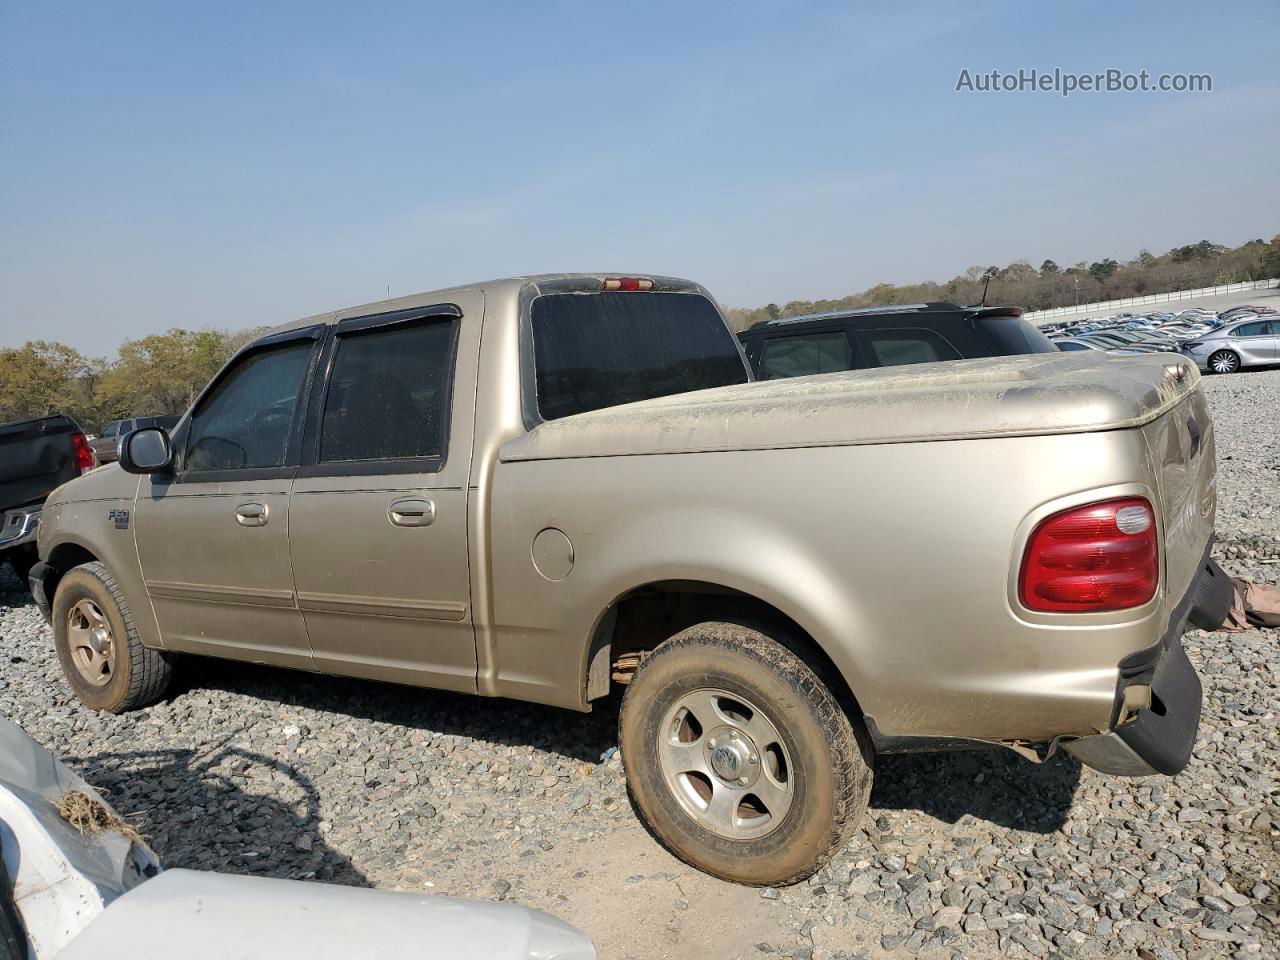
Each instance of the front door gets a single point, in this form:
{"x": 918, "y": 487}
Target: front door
{"x": 378, "y": 512}
{"x": 213, "y": 538}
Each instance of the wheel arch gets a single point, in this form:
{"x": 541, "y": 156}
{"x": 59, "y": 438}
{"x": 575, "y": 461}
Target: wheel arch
{"x": 640, "y": 618}
{"x": 64, "y": 557}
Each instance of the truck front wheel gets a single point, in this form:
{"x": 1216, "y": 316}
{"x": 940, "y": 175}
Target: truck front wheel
{"x": 101, "y": 656}
{"x": 739, "y": 757}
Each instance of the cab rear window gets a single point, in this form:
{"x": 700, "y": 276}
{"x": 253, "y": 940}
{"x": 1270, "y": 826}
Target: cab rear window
{"x": 605, "y": 349}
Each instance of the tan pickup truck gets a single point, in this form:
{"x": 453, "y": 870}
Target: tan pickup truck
{"x": 550, "y": 487}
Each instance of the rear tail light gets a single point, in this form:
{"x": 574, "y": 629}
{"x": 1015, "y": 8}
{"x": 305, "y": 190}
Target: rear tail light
{"x": 85, "y": 460}
{"x": 1188, "y": 344}
{"x": 627, "y": 283}
{"x": 1100, "y": 556}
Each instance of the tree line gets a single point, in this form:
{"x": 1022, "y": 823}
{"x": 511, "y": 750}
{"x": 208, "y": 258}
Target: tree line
{"x": 154, "y": 375}
{"x": 1203, "y": 264}
{"x": 163, "y": 373}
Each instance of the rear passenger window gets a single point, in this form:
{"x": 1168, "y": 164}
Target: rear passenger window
{"x": 1257, "y": 329}
{"x": 388, "y": 395}
{"x": 245, "y": 421}
{"x": 895, "y": 347}
{"x": 802, "y": 355}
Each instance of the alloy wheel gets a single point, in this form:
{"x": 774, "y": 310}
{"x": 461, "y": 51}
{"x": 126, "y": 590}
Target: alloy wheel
{"x": 726, "y": 764}
{"x": 1224, "y": 362}
{"x": 89, "y": 637}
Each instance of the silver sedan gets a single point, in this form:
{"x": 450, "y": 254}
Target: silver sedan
{"x": 1249, "y": 343}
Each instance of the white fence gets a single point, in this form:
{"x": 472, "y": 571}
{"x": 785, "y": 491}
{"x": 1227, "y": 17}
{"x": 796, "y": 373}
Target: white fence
{"x": 1111, "y": 306}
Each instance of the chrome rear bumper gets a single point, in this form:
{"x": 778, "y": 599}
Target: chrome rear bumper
{"x": 19, "y": 526}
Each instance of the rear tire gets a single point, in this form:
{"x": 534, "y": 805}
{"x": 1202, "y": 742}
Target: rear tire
{"x": 1224, "y": 361}
{"x": 787, "y": 780}
{"x": 105, "y": 663}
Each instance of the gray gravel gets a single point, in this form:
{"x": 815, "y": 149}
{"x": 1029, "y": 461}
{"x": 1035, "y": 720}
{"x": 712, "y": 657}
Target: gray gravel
{"x": 973, "y": 854}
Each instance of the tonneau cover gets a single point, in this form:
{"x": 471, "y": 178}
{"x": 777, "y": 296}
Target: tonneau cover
{"x": 963, "y": 399}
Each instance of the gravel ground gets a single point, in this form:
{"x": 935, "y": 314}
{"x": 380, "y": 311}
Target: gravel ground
{"x": 976, "y": 854}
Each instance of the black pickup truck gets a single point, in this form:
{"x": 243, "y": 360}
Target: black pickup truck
{"x": 36, "y": 456}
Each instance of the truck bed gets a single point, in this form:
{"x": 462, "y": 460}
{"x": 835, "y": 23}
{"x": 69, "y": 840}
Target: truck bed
{"x": 36, "y": 457}
{"x": 1033, "y": 395}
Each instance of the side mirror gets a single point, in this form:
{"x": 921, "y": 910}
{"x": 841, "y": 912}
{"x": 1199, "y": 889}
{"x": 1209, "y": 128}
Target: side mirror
{"x": 146, "y": 451}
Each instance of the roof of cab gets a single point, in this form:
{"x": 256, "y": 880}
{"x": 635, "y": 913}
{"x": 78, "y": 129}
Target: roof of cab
{"x": 428, "y": 297}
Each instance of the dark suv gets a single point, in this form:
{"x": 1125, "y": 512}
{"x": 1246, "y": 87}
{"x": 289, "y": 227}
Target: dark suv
{"x": 887, "y": 336}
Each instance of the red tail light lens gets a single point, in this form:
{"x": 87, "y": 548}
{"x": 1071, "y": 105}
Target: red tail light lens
{"x": 85, "y": 460}
{"x": 628, "y": 283}
{"x": 1101, "y": 556}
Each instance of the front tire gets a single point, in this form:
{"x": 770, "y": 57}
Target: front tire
{"x": 1224, "y": 361}
{"x": 102, "y": 658}
{"x": 740, "y": 758}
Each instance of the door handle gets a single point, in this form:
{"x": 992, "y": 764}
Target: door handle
{"x": 412, "y": 512}
{"x": 251, "y": 514}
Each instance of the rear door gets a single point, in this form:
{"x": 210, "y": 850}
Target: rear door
{"x": 893, "y": 346}
{"x": 1254, "y": 343}
{"x": 213, "y": 536}
{"x": 805, "y": 354}
{"x": 1273, "y": 327}
{"x": 378, "y": 513}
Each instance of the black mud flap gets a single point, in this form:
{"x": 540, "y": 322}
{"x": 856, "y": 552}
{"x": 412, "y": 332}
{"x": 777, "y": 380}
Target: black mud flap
{"x": 1211, "y": 598}
{"x": 36, "y": 580}
{"x": 1161, "y": 737}
{"x": 1164, "y": 734}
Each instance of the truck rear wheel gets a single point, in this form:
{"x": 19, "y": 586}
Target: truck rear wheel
{"x": 739, "y": 757}
{"x": 104, "y": 662}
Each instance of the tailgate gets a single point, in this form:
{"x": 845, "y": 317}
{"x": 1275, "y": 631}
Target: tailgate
{"x": 35, "y": 457}
{"x": 1181, "y": 443}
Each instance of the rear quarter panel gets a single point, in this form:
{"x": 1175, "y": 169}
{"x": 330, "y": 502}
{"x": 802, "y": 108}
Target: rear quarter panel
{"x": 900, "y": 560}
{"x": 1184, "y": 458}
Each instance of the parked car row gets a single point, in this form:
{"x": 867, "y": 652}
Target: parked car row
{"x": 1245, "y": 336}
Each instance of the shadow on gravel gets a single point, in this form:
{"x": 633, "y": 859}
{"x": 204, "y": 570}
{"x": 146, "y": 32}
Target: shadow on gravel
{"x": 578, "y": 736}
{"x": 994, "y": 785}
{"x": 227, "y": 809}
{"x": 13, "y": 592}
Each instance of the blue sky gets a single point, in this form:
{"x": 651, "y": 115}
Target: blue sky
{"x": 232, "y": 165}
